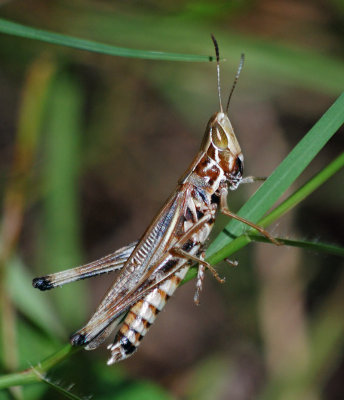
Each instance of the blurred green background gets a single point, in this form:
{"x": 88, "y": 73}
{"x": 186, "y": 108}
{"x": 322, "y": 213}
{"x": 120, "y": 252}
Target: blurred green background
{"x": 90, "y": 147}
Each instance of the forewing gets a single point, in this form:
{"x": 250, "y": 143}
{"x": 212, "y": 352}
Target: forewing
{"x": 144, "y": 260}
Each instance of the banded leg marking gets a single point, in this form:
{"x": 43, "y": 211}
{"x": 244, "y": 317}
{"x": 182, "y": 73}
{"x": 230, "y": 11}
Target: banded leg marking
{"x": 141, "y": 316}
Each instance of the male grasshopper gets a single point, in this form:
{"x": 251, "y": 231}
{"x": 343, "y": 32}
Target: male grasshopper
{"x": 153, "y": 267}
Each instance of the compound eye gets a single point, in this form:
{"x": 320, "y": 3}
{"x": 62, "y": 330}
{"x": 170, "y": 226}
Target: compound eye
{"x": 239, "y": 165}
{"x": 219, "y": 138}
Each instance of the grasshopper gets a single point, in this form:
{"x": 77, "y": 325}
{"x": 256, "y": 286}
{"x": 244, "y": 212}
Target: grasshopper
{"x": 152, "y": 268}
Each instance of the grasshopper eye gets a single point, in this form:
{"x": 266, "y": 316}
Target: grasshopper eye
{"x": 239, "y": 165}
{"x": 219, "y": 138}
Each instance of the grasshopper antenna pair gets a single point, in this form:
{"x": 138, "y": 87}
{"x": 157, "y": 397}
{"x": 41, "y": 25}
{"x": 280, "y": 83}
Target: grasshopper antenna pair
{"x": 247, "y": 179}
{"x": 241, "y": 64}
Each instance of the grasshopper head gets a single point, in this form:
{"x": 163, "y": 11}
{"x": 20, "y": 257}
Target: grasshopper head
{"x": 221, "y": 145}
{"x": 220, "y": 142}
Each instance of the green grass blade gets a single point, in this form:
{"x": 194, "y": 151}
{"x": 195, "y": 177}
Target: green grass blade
{"x": 29, "y": 301}
{"x": 284, "y": 175}
{"x": 270, "y": 62}
{"x": 13, "y": 28}
{"x": 320, "y": 178}
{"x": 309, "y": 245}
{"x": 304, "y": 191}
{"x": 30, "y": 375}
{"x": 60, "y": 230}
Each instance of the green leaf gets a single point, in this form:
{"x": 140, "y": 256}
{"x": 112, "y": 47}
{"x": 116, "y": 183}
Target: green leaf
{"x": 13, "y": 28}
{"x": 30, "y": 375}
{"x": 284, "y": 207}
{"x": 61, "y": 243}
{"x": 305, "y": 244}
{"x": 33, "y": 344}
{"x": 283, "y": 176}
{"x": 305, "y": 190}
{"x": 270, "y": 62}
{"x": 29, "y": 301}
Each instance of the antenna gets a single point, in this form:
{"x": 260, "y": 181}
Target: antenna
{"x": 218, "y": 69}
{"x": 241, "y": 64}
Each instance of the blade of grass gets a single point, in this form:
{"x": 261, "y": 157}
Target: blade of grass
{"x": 292, "y": 65}
{"x": 30, "y": 375}
{"x": 314, "y": 246}
{"x": 309, "y": 187}
{"x": 236, "y": 244}
{"x": 60, "y": 230}
{"x": 13, "y": 28}
{"x": 29, "y": 301}
{"x": 284, "y": 175}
